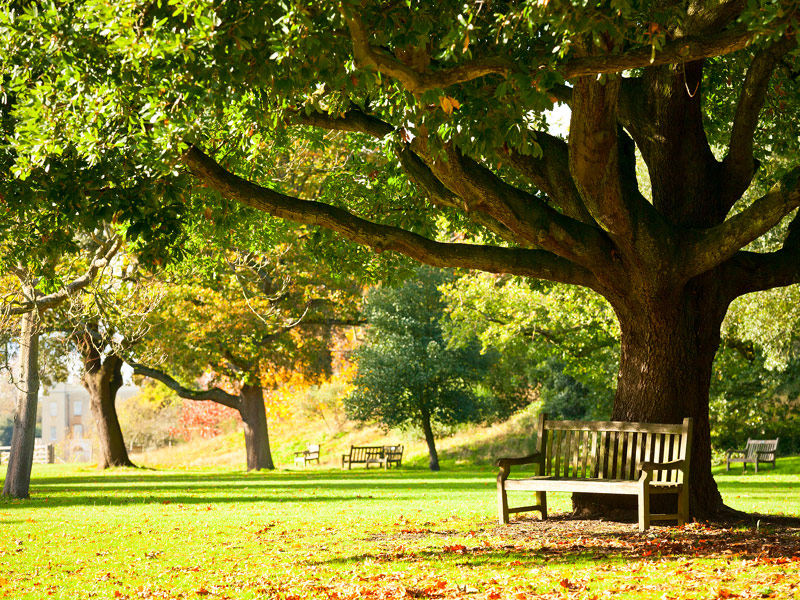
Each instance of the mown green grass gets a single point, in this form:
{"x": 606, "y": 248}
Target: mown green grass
{"x": 407, "y": 533}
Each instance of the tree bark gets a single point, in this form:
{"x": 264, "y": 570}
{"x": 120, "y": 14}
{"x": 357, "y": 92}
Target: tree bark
{"x": 256, "y": 435}
{"x": 428, "y": 430}
{"x": 666, "y": 358}
{"x": 20, "y": 462}
{"x": 102, "y": 379}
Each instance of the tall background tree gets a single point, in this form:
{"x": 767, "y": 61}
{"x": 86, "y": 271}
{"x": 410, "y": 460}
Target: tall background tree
{"x": 31, "y": 303}
{"x": 235, "y": 321}
{"x": 452, "y": 95}
{"x": 406, "y": 373}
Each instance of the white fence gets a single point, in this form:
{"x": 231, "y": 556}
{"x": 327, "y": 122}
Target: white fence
{"x": 42, "y": 454}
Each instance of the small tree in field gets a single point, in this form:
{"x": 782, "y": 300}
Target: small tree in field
{"x": 406, "y": 373}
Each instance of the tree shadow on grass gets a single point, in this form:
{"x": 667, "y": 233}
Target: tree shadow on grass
{"x": 124, "y": 488}
{"x": 135, "y": 476}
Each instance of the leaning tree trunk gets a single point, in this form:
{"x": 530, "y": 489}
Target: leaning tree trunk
{"x": 666, "y": 359}
{"x": 20, "y": 462}
{"x": 428, "y": 430}
{"x": 102, "y": 379}
{"x": 256, "y": 435}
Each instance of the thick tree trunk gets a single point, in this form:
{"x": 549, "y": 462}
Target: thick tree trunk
{"x": 256, "y": 435}
{"x": 20, "y": 462}
{"x": 102, "y": 379}
{"x": 428, "y": 430}
{"x": 667, "y": 353}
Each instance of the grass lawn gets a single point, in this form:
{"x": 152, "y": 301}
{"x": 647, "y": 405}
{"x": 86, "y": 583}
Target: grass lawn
{"x": 140, "y": 534}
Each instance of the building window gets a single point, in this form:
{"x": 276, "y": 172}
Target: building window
{"x": 53, "y": 409}
{"x": 53, "y": 435}
{"x": 77, "y": 431}
{"x": 77, "y": 408}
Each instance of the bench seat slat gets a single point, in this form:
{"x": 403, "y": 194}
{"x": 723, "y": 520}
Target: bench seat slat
{"x": 562, "y": 484}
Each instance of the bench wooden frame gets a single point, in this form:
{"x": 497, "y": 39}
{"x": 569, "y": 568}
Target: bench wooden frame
{"x": 383, "y": 456}
{"x": 604, "y": 457}
{"x": 755, "y": 451}
{"x": 311, "y": 453}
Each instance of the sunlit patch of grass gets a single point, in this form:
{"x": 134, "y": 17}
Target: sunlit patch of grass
{"x": 770, "y": 491}
{"x": 215, "y": 533}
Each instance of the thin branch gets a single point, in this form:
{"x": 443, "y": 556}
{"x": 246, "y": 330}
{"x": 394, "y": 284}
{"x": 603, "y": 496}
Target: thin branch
{"x": 739, "y": 165}
{"x": 215, "y": 394}
{"x": 414, "y": 81}
{"x": 102, "y": 257}
{"x": 684, "y": 49}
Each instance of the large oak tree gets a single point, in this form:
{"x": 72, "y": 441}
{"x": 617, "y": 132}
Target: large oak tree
{"x": 702, "y": 90}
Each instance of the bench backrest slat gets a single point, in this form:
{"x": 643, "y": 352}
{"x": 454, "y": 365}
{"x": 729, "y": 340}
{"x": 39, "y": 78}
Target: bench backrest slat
{"x": 609, "y": 449}
{"x": 362, "y": 453}
{"x": 755, "y": 446}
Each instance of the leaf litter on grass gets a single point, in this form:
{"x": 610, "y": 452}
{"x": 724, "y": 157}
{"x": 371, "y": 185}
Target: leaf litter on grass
{"x": 564, "y": 558}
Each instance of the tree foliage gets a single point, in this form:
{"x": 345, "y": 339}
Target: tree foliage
{"x": 450, "y": 99}
{"x": 406, "y": 373}
{"x": 562, "y": 339}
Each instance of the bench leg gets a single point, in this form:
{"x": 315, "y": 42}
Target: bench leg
{"x": 541, "y": 500}
{"x": 683, "y": 505}
{"x": 756, "y": 466}
{"x": 644, "y": 508}
{"x": 502, "y": 503}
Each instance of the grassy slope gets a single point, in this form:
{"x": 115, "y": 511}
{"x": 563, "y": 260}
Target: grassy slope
{"x": 471, "y": 445}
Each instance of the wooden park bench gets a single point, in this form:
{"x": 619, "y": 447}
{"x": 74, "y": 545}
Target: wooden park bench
{"x": 311, "y": 453}
{"x": 610, "y": 457}
{"x": 755, "y": 451}
{"x": 392, "y": 455}
{"x": 373, "y": 455}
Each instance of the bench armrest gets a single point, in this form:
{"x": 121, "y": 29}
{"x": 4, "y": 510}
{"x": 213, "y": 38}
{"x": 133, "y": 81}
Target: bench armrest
{"x": 520, "y": 460}
{"x": 505, "y": 464}
{"x": 301, "y": 453}
{"x": 730, "y": 453}
{"x": 650, "y": 466}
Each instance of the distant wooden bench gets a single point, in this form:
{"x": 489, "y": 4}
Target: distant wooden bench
{"x": 383, "y": 456}
{"x": 311, "y": 453}
{"x": 611, "y": 457}
{"x": 755, "y": 451}
{"x": 393, "y": 455}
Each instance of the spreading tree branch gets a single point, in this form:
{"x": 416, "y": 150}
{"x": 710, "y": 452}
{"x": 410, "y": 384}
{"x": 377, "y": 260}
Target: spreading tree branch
{"x": 712, "y": 247}
{"x": 749, "y": 272}
{"x": 739, "y": 165}
{"x": 519, "y": 261}
{"x": 102, "y": 257}
{"x": 550, "y": 173}
{"x": 215, "y": 394}
{"x": 356, "y": 121}
{"x": 683, "y": 49}
{"x": 463, "y": 183}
